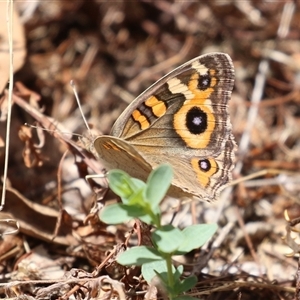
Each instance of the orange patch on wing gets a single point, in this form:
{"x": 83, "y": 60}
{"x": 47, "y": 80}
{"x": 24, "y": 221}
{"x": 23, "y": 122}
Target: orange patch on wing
{"x": 201, "y": 99}
{"x": 202, "y": 176}
{"x": 141, "y": 119}
{"x": 109, "y": 146}
{"x": 158, "y": 107}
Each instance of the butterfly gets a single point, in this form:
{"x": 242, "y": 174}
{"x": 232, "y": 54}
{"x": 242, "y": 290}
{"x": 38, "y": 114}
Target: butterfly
{"x": 183, "y": 120}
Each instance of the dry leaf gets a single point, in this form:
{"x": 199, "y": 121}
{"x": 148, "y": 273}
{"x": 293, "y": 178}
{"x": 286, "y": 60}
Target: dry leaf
{"x": 36, "y": 220}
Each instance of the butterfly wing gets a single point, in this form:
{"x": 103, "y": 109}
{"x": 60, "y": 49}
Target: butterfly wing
{"x": 213, "y": 173}
{"x": 186, "y": 109}
{"x": 116, "y": 153}
{"x": 182, "y": 120}
{"x": 201, "y": 177}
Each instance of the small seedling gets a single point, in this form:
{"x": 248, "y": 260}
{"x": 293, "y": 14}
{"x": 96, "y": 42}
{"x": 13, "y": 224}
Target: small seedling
{"x": 141, "y": 200}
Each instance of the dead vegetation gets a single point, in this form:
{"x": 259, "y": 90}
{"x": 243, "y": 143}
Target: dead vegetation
{"x": 113, "y": 51}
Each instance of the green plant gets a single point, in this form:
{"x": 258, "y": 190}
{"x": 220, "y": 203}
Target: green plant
{"x": 141, "y": 200}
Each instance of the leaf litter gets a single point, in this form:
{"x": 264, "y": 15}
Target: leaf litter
{"x": 113, "y": 51}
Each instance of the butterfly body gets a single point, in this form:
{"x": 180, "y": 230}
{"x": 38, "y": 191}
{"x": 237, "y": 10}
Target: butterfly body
{"x": 183, "y": 120}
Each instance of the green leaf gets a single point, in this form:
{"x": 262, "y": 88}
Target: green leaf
{"x": 196, "y": 236}
{"x": 168, "y": 238}
{"x": 149, "y": 269}
{"x": 120, "y": 213}
{"x": 178, "y": 272}
{"x": 122, "y": 184}
{"x": 185, "y": 285}
{"x": 138, "y": 255}
{"x": 158, "y": 184}
{"x": 114, "y": 214}
{"x": 179, "y": 286}
{"x": 136, "y": 198}
{"x": 151, "y": 219}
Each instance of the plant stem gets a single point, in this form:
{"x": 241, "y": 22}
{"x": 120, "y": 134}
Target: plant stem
{"x": 170, "y": 274}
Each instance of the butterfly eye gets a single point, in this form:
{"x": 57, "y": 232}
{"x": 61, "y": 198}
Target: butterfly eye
{"x": 204, "y": 165}
{"x": 196, "y": 120}
{"x": 204, "y": 82}
{"x": 204, "y": 169}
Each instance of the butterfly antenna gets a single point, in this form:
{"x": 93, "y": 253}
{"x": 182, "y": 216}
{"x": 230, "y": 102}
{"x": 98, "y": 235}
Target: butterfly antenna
{"x": 79, "y": 104}
{"x": 50, "y": 131}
